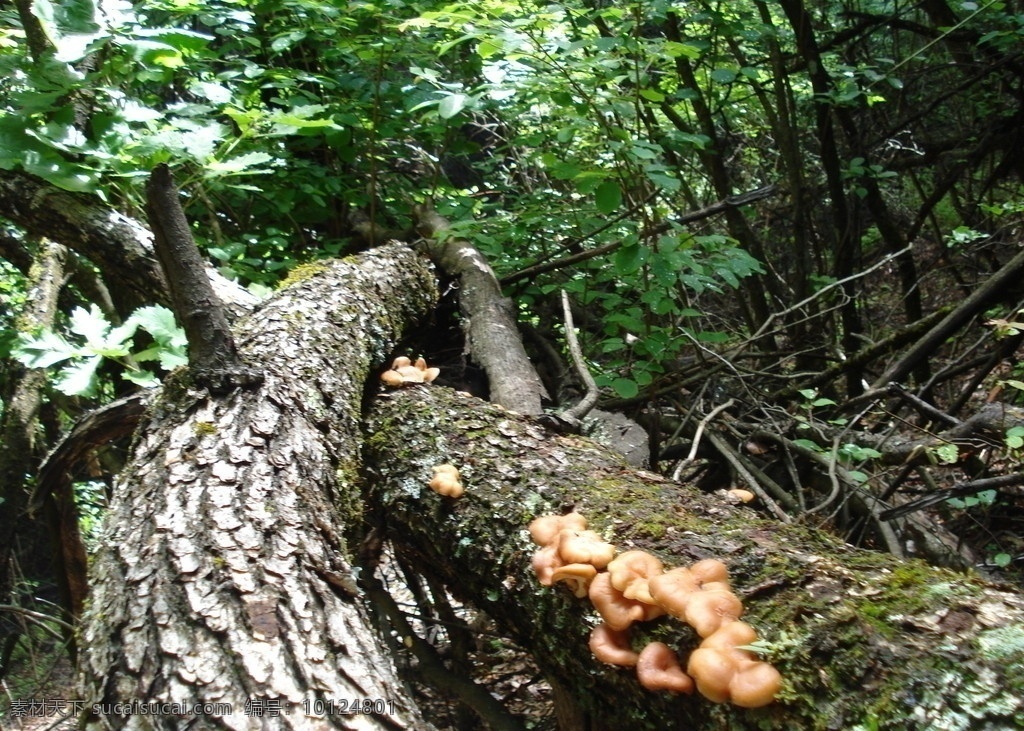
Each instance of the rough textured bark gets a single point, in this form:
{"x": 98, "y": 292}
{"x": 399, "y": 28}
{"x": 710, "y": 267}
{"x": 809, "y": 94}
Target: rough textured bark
{"x": 863, "y": 640}
{"x": 225, "y": 577}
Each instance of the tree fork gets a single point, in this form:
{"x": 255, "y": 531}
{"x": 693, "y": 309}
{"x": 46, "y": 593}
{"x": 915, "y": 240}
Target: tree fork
{"x": 212, "y": 354}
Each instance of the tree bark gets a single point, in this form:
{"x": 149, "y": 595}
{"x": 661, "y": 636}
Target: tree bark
{"x": 225, "y": 577}
{"x": 19, "y": 423}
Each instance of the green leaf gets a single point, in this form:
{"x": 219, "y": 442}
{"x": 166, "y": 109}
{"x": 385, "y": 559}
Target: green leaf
{"x": 723, "y": 76}
{"x": 144, "y": 379}
{"x": 625, "y": 387}
{"x": 488, "y": 47}
{"x": 628, "y": 259}
{"x": 248, "y": 163}
{"x": 665, "y": 182}
{"x": 43, "y": 351}
{"x": 674, "y": 49}
{"x": 159, "y": 322}
{"x": 452, "y": 105}
{"x": 173, "y": 357}
{"x": 608, "y": 196}
{"x": 652, "y": 95}
{"x": 79, "y": 379}
{"x": 807, "y": 444}
{"x": 90, "y": 324}
{"x": 987, "y": 497}
{"x": 946, "y": 453}
{"x": 154, "y": 53}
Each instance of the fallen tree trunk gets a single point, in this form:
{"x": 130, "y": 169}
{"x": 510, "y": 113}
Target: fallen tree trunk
{"x": 863, "y": 640}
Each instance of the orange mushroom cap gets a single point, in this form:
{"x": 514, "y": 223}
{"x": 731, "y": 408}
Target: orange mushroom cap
{"x": 755, "y": 684}
{"x": 447, "y": 481}
{"x": 403, "y": 371}
{"x": 630, "y": 572}
{"x": 545, "y": 562}
{"x": 616, "y": 610}
{"x": 708, "y": 570}
{"x": 584, "y": 546}
{"x": 577, "y": 575}
{"x": 723, "y": 672}
{"x": 706, "y": 611}
{"x": 545, "y": 529}
{"x": 712, "y": 670}
{"x": 672, "y": 590}
{"x": 658, "y": 668}
{"x": 612, "y": 646}
{"x": 730, "y": 635}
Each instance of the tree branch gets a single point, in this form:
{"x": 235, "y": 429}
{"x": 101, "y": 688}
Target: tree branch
{"x": 212, "y": 354}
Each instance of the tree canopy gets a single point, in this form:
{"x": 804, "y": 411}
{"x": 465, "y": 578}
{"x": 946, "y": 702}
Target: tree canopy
{"x": 789, "y": 235}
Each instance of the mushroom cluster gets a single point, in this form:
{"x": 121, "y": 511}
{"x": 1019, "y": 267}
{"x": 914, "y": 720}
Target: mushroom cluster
{"x": 404, "y": 372}
{"x": 635, "y": 587}
{"x": 568, "y": 551}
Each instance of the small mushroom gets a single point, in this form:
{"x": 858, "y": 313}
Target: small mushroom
{"x": 577, "y": 575}
{"x": 585, "y": 546}
{"x": 404, "y": 372}
{"x": 710, "y": 570}
{"x": 658, "y": 668}
{"x": 723, "y": 672}
{"x": 612, "y": 646}
{"x": 755, "y": 684}
{"x": 616, "y": 610}
{"x": 630, "y": 572}
{"x": 707, "y": 611}
{"x": 545, "y": 529}
{"x": 447, "y": 481}
{"x": 545, "y": 563}
{"x": 672, "y": 590}
{"x": 740, "y": 495}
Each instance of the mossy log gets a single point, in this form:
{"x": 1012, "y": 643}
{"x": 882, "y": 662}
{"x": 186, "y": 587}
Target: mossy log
{"x": 863, "y": 640}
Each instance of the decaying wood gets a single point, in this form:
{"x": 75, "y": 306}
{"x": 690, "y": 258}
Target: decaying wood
{"x": 492, "y": 338}
{"x": 971, "y": 307}
{"x": 862, "y": 639}
{"x": 224, "y": 576}
{"x": 54, "y": 493}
